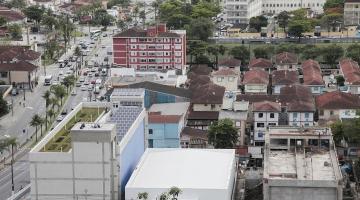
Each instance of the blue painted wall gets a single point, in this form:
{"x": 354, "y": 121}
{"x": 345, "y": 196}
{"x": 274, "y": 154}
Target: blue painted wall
{"x": 131, "y": 155}
{"x": 152, "y": 97}
{"x": 165, "y": 135}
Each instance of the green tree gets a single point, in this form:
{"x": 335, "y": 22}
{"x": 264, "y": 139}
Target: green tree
{"x": 35, "y": 13}
{"x": 261, "y": 52}
{"x": 59, "y": 92}
{"x": 3, "y": 21}
{"x": 196, "y": 48}
{"x": 49, "y": 21}
{"x": 337, "y": 130}
{"x": 258, "y": 22}
{"x": 332, "y": 53}
{"x": 4, "y": 108}
{"x": 77, "y": 51}
{"x": 15, "y": 31}
{"x": 178, "y": 21}
{"x": 240, "y": 52}
{"x": 121, "y": 25}
{"x": 223, "y": 134}
{"x": 20, "y": 4}
{"x": 50, "y": 113}
{"x": 298, "y": 27}
{"x": 143, "y": 195}
{"x": 353, "y": 52}
{"x": 142, "y": 16}
{"x": 36, "y": 122}
{"x": 206, "y": 9}
{"x": 51, "y": 47}
{"x": 331, "y": 21}
{"x": 174, "y": 192}
{"x": 340, "y": 80}
{"x": 9, "y": 144}
{"x": 164, "y": 196}
{"x": 310, "y": 52}
{"x": 333, "y": 4}
{"x": 69, "y": 81}
{"x": 283, "y": 20}
{"x": 46, "y": 96}
{"x": 201, "y": 28}
{"x": 66, "y": 28}
{"x": 101, "y": 17}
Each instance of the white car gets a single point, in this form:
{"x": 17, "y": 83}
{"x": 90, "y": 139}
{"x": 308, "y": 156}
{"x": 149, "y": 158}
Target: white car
{"x": 55, "y": 83}
{"x": 90, "y": 88}
{"x": 60, "y": 118}
{"x": 61, "y": 73}
{"x": 78, "y": 84}
{"x": 73, "y": 93}
{"x": 82, "y": 79}
{"x": 83, "y": 88}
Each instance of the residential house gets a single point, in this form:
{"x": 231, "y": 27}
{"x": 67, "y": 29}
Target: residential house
{"x": 261, "y": 63}
{"x": 352, "y": 12}
{"x": 265, "y": 114}
{"x": 230, "y": 63}
{"x": 299, "y": 104}
{"x": 165, "y": 123}
{"x": 227, "y": 78}
{"x": 313, "y": 77}
{"x": 286, "y": 61}
{"x": 12, "y": 16}
{"x": 193, "y": 138}
{"x": 256, "y": 81}
{"x": 351, "y": 72}
{"x": 281, "y": 78}
{"x": 19, "y": 66}
{"x": 206, "y": 102}
{"x": 337, "y": 105}
{"x": 153, "y": 49}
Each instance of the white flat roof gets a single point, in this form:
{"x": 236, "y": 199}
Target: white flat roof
{"x": 184, "y": 168}
{"x": 178, "y": 108}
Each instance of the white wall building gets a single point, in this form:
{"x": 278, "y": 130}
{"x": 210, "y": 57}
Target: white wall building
{"x": 191, "y": 170}
{"x": 236, "y": 11}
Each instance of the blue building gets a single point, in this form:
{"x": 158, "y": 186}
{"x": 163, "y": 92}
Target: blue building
{"x": 165, "y": 123}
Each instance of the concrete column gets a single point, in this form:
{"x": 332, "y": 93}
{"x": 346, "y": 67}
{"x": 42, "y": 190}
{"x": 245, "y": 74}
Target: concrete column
{"x": 288, "y": 144}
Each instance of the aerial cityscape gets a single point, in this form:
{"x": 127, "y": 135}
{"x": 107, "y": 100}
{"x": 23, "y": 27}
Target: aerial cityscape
{"x": 179, "y": 100}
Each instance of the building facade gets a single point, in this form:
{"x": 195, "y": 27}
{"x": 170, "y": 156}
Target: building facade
{"x": 236, "y": 11}
{"x": 352, "y": 12}
{"x": 227, "y": 78}
{"x": 153, "y": 49}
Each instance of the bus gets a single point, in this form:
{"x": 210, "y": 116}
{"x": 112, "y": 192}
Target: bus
{"x": 95, "y": 33}
{"x": 48, "y": 80}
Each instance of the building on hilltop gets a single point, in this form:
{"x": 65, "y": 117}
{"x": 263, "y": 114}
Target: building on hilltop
{"x": 301, "y": 164}
{"x": 153, "y": 49}
{"x": 351, "y": 12}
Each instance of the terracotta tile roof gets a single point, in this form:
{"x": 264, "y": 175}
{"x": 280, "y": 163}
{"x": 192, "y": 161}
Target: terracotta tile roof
{"x": 194, "y": 133}
{"x": 160, "y": 119}
{"x": 285, "y": 77}
{"x": 226, "y": 72}
{"x": 352, "y": 1}
{"x": 256, "y": 76}
{"x": 198, "y": 81}
{"x": 267, "y": 106}
{"x": 199, "y": 115}
{"x": 351, "y": 71}
{"x": 312, "y": 73}
{"x": 208, "y": 94}
{"x": 229, "y": 62}
{"x": 338, "y": 100}
{"x": 260, "y": 63}
{"x": 297, "y": 98}
{"x": 286, "y": 58}
{"x": 11, "y": 15}
{"x": 8, "y": 53}
{"x": 18, "y": 66}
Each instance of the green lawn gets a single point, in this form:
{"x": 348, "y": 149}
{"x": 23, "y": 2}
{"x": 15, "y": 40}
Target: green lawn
{"x": 61, "y": 142}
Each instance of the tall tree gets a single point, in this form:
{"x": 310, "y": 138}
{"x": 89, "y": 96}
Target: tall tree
{"x": 4, "y": 108}
{"x": 35, "y": 122}
{"x": 9, "y": 144}
{"x": 49, "y": 21}
{"x": 332, "y": 53}
{"x": 223, "y": 134}
{"x": 331, "y": 21}
{"x": 310, "y": 52}
{"x": 283, "y": 20}
{"x": 298, "y": 27}
{"x": 15, "y": 31}
{"x": 69, "y": 81}
{"x": 333, "y": 4}
{"x": 258, "y": 22}
{"x": 240, "y": 52}
{"x": 35, "y": 13}
{"x": 174, "y": 192}
{"x": 261, "y": 52}
{"x": 201, "y": 28}
{"x": 353, "y": 52}
{"x": 46, "y": 96}
{"x": 66, "y": 27}
{"x": 59, "y": 92}
{"x": 196, "y": 48}
{"x": 3, "y": 21}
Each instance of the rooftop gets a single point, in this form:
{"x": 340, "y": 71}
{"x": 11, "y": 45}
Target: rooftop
{"x": 266, "y": 106}
{"x": 286, "y": 58}
{"x": 184, "y": 168}
{"x": 226, "y": 72}
{"x": 150, "y": 32}
{"x": 256, "y": 76}
{"x": 11, "y": 15}
{"x": 312, "y": 73}
{"x": 208, "y": 94}
{"x": 178, "y": 108}
{"x": 229, "y": 62}
{"x": 285, "y": 77}
{"x": 260, "y": 63}
{"x": 351, "y": 71}
{"x": 338, "y": 100}
{"x": 200, "y": 69}
{"x": 157, "y": 118}
{"x": 128, "y": 92}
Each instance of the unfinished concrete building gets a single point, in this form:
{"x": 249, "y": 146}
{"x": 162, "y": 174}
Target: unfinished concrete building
{"x": 301, "y": 164}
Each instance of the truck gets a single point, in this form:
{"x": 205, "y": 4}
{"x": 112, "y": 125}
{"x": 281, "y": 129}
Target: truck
{"x": 48, "y": 80}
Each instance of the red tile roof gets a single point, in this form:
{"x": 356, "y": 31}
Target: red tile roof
{"x": 226, "y": 72}
{"x": 229, "y": 62}
{"x": 256, "y": 76}
{"x": 286, "y": 58}
{"x": 260, "y": 63}
{"x": 256, "y": 97}
{"x": 18, "y": 66}
{"x": 297, "y": 98}
{"x": 9, "y": 53}
{"x": 194, "y": 133}
{"x": 266, "y": 106}
{"x": 285, "y": 77}
{"x": 160, "y": 119}
{"x": 351, "y": 71}
{"x": 312, "y": 73}
{"x": 208, "y": 94}
{"x": 338, "y": 100}
{"x": 11, "y": 15}
{"x": 199, "y": 115}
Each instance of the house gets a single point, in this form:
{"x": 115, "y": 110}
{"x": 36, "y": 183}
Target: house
{"x": 351, "y": 72}
{"x": 19, "y": 66}
{"x": 301, "y": 164}
{"x": 337, "y": 105}
{"x": 299, "y": 104}
{"x": 12, "y": 16}
{"x": 265, "y": 114}
{"x": 256, "y": 81}
{"x": 165, "y": 123}
{"x": 261, "y": 63}
{"x": 286, "y": 61}
{"x": 203, "y": 174}
{"x": 193, "y": 138}
{"x": 352, "y": 12}
{"x": 227, "y": 78}
{"x": 313, "y": 77}
{"x": 281, "y": 78}
{"x": 153, "y": 49}
{"x": 230, "y": 63}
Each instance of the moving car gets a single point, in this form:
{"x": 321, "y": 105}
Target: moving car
{"x": 73, "y": 93}
{"x": 60, "y": 118}
{"x": 78, "y": 84}
{"x": 83, "y": 88}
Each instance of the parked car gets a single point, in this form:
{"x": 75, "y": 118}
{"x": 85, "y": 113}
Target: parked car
{"x": 14, "y": 92}
{"x": 96, "y": 74}
{"x": 81, "y": 79}
{"x": 64, "y": 112}
{"x": 73, "y": 93}
{"x": 83, "y": 88}
{"x": 78, "y": 84}
{"x": 60, "y": 118}
{"x": 90, "y": 88}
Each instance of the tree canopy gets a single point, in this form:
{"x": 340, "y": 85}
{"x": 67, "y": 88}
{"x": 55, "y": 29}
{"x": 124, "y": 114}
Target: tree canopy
{"x": 332, "y": 53}
{"x": 4, "y": 108}
{"x": 240, "y": 52}
{"x": 258, "y": 22}
{"x": 223, "y": 134}
{"x": 353, "y": 52}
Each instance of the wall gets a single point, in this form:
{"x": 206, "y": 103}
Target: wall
{"x": 277, "y": 88}
{"x": 255, "y": 88}
{"x": 259, "y": 132}
{"x": 132, "y": 147}
{"x": 351, "y": 13}
{"x": 354, "y": 89}
{"x": 300, "y": 119}
{"x": 316, "y": 89}
{"x": 152, "y": 97}
{"x": 206, "y": 107}
{"x": 294, "y": 193}
{"x": 165, "y": 135}
{"x": 229, "y": 82}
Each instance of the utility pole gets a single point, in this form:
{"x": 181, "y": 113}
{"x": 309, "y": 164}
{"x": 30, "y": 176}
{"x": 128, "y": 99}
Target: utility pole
{"x": 12, "y": 170}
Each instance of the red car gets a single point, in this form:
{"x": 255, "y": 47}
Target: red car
{"x": 93, "y": 82}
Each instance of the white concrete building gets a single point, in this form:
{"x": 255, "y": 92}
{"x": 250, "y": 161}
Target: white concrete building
{"x": 301, "y": 164}
{"x": 92, "y": 159}
{"x": 352, "y": 12}
{"x": 227, "y": 78}
{"x": 191, "y": 170}
{"x": 261, "y": 7}
{"x": 127, "y": 97}
{"x": 236, "y": 11}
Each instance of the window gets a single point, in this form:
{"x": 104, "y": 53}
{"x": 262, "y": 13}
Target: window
{"x": 331, "y": 112}
{"x": 133, "y": 46}
{"x": 177, "y": 53}
{"x": 260, "y": 134}
{"x": 272, "y": 115}
{"x": 272, "y": 124}
{"x": 150, "y": 131}
{"x": 167, "y": 46}
{"x": 261, "y": 115}
{"x": 177, "y": 46}
{"x": 219, "y": 79}
{"x": 142, "y": 46}
{"x": 237, "y": 124}
{"x": 231, "y": 79}
{"x": 133, "y": 40}
{"x": 3, "y": 74}
{"x": 115, "y": 105}
{"x": 307, "y": 115}
{"x": 306, "y": 124}
{"x": 294, "y": 115}
{"x": 212, "y": 106}
{"x": 133, "y": 53}
{"x": 260, "y": 125}
{"x": 151, "y": 143}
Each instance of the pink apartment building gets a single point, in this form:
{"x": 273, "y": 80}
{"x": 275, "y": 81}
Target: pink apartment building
{"x": 154, "y": 48}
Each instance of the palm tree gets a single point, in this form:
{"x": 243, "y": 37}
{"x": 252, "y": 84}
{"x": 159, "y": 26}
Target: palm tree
{"x": 143, "y": 195}
{"x": 174, "y": 192}
{"x": 69, "y": 81}
{"x": 59, "y": 92}
{"x": 9, "y": 144}
{"x": 51, "y": 113}
{"x": 156, "y": 4}
{"x": 164, "y": 196}
{"x": 54, "y": 102}
{"x": 35, "y": 122}
{"x": 41, "y": 123}
{"x": 46, "y": 96}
